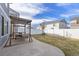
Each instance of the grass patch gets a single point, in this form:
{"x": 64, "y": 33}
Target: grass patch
{"x": 68, "y": 46}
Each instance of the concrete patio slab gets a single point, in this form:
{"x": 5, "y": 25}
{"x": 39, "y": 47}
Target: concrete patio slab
{"x": 35, "y": 48}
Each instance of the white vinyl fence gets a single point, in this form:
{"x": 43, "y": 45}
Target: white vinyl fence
{"x": 72, "y": 33}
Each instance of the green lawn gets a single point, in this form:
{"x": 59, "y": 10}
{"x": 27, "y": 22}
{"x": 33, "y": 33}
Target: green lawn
{"x": 68, "y": 46}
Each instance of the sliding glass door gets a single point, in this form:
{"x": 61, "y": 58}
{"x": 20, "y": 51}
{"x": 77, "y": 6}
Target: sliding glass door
{"x": 0, "y": 26}
{"x": 3, "y": 26}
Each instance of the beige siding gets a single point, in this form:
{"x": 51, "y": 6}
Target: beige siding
{"x": 75, "y": 26}
{"x": 73, "y": 21}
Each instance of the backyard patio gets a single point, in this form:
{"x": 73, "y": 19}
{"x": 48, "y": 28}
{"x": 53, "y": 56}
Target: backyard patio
{"x": 35, "y": 48}
{"x": 15, "y": 35}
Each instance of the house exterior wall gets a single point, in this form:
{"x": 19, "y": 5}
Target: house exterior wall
{"x": 5, "y": 15}
{"x": 0, "y": 26}
{"x": 5, "y": 7}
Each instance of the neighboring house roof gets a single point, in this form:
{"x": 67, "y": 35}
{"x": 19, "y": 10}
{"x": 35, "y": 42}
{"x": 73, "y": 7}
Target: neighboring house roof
{"x": 56, "y": 21}
{"x": 75, "y": 18}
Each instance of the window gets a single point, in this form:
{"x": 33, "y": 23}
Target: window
{"x": 53, "y": 25}
{"x": 2, "y": 25}
{"x": 5, "y": 27}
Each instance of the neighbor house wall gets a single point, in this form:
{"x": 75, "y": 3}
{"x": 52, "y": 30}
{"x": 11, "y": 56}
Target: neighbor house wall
{"x": 73, "y": 21}
{"x": 53, "y": 26}
{"x": 59, "y": 25}
{"x": 74, "y": 26}
{"x": 62, "y": 25}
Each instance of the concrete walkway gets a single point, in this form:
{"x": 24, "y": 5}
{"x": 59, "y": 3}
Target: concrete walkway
{"x": 35, "y": 48}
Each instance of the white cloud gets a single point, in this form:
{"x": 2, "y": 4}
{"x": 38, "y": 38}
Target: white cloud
{"x": 66, "y": 15}
{"x": 63, "y": 4}
{"x": 70, "y": 13}
{"x": 76, "y": 10}
{"x": 27, "y": 10}
{"x": 38, "y": 21}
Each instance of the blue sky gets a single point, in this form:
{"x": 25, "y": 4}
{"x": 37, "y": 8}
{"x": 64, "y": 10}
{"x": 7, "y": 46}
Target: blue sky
{"x": 39, "y": 12}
